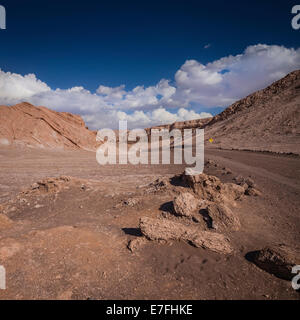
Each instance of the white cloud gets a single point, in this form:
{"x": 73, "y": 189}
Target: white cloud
{"x": 14, "y": 87}
{"x": 114, "y": 93}
{"x": 226, "y": 80}
{"x": 140, "y": 119}
{"x": 218, "y": 83}
{"x": 140, "y": 97}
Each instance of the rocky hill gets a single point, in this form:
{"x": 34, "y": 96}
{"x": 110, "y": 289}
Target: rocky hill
{"x": 267, "y": 120}
{"x": 27, "y": 125}
{"x": 286, "y": 86}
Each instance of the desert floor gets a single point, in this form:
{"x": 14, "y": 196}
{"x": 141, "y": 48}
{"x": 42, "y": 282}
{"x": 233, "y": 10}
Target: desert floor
{"x": 72, "y": 243}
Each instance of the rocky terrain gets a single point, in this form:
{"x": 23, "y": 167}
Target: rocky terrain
{"x": 39, "y": 127}
{"x": 73, "y": 229}
{"x": 267, "y": 120}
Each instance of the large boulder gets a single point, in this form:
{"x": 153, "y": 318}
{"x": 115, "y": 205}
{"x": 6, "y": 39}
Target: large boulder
{"x": 163, "y": 229}
{"x": 212, "y": 215}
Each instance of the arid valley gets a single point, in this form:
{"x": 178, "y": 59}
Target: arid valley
{"x": 73, "y": 229}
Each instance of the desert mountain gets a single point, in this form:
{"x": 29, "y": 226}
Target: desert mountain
{"x": 27, "y": 125}
{"x": 267, "y": 120}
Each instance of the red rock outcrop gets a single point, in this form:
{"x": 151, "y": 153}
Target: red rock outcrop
{"x": 27, "y": 125}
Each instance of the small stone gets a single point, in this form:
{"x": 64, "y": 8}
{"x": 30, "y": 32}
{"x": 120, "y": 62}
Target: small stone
{"x": 136, "y": 244}
{"x": 34, "y": 186}
{"x": 252, "y": 192}
{"x": 250, "y": 182}
{"x": 131, "y": 202}
{"x": 227, "y": 171}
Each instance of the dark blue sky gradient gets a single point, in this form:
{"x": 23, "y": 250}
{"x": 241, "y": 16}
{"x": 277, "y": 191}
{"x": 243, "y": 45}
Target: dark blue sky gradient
{"x": 88, "y": 43}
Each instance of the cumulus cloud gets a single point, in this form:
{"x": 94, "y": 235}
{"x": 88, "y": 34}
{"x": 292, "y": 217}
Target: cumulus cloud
{"x": 14, "y": 87}
{"x": 215, "y": 84}
{"x": 140, "y": 97}
{"x": 162, "y": 116}
{"x": 113, "y": 93}
{"x": 228, "y": 79}
{"x": 141, "y": 119}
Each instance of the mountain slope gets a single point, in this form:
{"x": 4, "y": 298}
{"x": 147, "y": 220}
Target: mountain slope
{"x": 267, "y": 120}
{"x": 27, "y": 125}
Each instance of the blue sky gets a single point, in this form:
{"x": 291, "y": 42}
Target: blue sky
{"x": 87, "y": 44}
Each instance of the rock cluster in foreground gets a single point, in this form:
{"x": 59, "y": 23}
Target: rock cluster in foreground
{"x": 202, "y": 215}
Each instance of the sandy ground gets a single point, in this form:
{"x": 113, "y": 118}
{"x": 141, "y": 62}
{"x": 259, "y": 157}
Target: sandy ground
{"x": 72, "y": 244}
